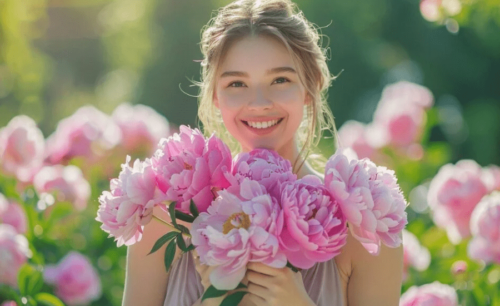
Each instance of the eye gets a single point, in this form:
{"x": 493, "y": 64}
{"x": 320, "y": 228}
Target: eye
{"x": 238, "y": 83}
{"x": 282, "y": 80}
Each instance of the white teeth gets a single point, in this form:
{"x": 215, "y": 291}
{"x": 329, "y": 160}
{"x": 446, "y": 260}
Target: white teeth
{"x": 262, "y": 125}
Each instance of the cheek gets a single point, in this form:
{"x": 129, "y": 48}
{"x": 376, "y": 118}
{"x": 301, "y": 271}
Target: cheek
{"x": 291, "y": 100}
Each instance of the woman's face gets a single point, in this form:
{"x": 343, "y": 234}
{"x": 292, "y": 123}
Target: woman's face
{"x": 259, "y": 94}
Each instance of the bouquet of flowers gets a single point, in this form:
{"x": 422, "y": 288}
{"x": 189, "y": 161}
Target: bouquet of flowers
{"x": 252, "y": 208}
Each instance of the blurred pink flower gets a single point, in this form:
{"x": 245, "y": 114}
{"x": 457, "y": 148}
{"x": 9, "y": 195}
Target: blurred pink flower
{"x": 12, "y": 213}
{"x": 370, "y": 198}
{"x": 21, "y": 147}
{"x": 407, "y": 94}
{"x": 129, "y": 205}
{"x": 66, "y": 181}
{"x": 453, "y": 194}
{"x": 75, "y": 279}
{"x": 88, "y": 133}
{"x": 438, "y": 10}
{"x": 459, "y": 267}
{"x": 190, "y": 167}
{"x": 491, "y": 177}
{"x": 311, "y": 226}
{"x": 264, "y": 166}
{"x": 485, "y": 228}
{"x": 142, "y": 127}
{"x": 354, "y": 134}
{"x": 435, "y": 294}
{"x": 9, "y": 303}
{"x": 414, "y": 254}
{"x": 14, "y": 252}
{"x": 235, "y": 230}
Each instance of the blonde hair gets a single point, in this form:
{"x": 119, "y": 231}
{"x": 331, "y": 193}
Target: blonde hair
{"x": 282, "y": 20}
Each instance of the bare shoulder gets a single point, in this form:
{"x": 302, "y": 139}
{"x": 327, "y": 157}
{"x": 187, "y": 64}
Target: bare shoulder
{"x": 369, "y": 279}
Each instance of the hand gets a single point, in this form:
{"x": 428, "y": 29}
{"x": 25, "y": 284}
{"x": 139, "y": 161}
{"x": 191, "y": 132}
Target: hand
{"x": 275, "y": 287}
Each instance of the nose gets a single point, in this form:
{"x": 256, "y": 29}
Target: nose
{"x": 260, "y": 102}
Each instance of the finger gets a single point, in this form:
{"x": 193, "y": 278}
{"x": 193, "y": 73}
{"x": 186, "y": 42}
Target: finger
{"x": 262, "y": 268}
{"x": 253, "y": 299}
{"x": 259, "y": 278}
{"x": 263, "y": 292}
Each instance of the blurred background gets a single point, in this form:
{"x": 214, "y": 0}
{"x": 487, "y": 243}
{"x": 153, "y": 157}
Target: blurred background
{"x": 58, "y": 57}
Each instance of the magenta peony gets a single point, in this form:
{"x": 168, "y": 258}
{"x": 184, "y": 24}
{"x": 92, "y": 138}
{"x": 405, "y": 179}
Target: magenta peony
{"x": 414, "y": 254}
{"x": 142, "y": 127}
{"x": 88, "y": 133}
{"x": 14, "y": 252}
{"x": 21, "y": 147}
{"x": 264, "y": 166}
{"x": 190, "y": 167}
{"x": 75, "y": 279}
{"x": 67, "y": 182}
{"x": 453, "y": 194}
{"x": 235, "y": 230}
{"x": 370, "y": 198}
{"x": 311, "y": 226}
{"x": 485, "y": 228}
{"x": 13, "y": 214}
{"x": 129, "y": 205}
{"x": 435, "y": 294}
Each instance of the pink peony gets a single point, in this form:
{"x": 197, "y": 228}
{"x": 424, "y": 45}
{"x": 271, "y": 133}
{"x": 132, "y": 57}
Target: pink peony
{"x": 129, "y": 205}
{"x": 88, "y": 133}
{"x": 435, "y": 294}
{"x": 75, "y": 279}
{"x": 142, "y": 127}
{"x": 9, "y": 303}
{"x": 370, "y": 198}
{"x": 14, "y": 252}
{"x": 66, "y": 181}
{"x": 311, "y": 226}
{"x": 353, "y": 134}
{"x": 414, "y": 254}
{"x": 485, "y": 228}
{"x": 13, "y": 214}
{"x": 235, "y": 230}
{"x": 453, "y": 194}
{"x": 190, "y": 167}
{"x": 264, "y": 166}
{"x": 21, "y": 147}
{"x": 491, "y": 177}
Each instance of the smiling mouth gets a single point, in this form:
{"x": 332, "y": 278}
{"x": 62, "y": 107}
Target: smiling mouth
{"x": 263, "y": 125}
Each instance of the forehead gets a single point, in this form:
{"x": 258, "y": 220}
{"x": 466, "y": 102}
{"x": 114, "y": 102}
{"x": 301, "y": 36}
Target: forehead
{"x": 255, "y": 54}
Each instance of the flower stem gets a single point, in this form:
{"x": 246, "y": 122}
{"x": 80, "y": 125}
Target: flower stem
{"x": 170, "y": 225}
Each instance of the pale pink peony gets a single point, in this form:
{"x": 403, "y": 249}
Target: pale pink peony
{"x": 129, "y": 205}
{"x": 142, "y": 127}
{"x": 438, "y": 10}
{"x": 235, "y": 230}
{"x": 354, "y": 135}
{"x": 414, "y": 255}
{"x": 75, "y": 279}
{"x": 14, "y": 252}
{"x": 67, "y": 182}
{"x": 491, "y": 177}
{"x": 190, "y": 167}
{"x": 12, "y": 213}
{"x": 311, "y": 226}
{"x": 434, "y": 294}
{"x": 264, "y": 166}
{"x": 21, "y": 147}
{"x": 453, "y": 194}
{"x": 370, "y": 198}
{"x": 485, "y": 228}
{"x": 9, "y": 303}
{"x": 407, "y": 94}
{"x": 88, "y": 133}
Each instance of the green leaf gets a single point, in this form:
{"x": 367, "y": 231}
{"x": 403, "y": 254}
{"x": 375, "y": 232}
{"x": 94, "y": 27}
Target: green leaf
{"x": 48, "y": 299}
{"x": 169, "y": 254}
{"x": 183, "y": 229}
{"x": 171, "y": 211}
{"x": 184, "y": 217}
{"x": 30, "y": 281}
{"x": 162, "y": 240}
{"x": 233, "y": 299}
{"x": 294, "y": 269}
{"x": 181, "y": 243}
{"x": 193, "y": 209}
{"x": 212, "y": 292}
{"x": 190, "y": 248}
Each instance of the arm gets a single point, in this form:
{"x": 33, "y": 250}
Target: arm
{"x": 374, "y": 280}
{"x": 146, "y": 277}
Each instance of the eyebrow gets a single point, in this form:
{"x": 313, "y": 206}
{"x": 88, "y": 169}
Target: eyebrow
{"x": 270, "y": 71}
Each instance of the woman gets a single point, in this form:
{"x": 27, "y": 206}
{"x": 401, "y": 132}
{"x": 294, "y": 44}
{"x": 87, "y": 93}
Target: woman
{"x": 264, "y": 83}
